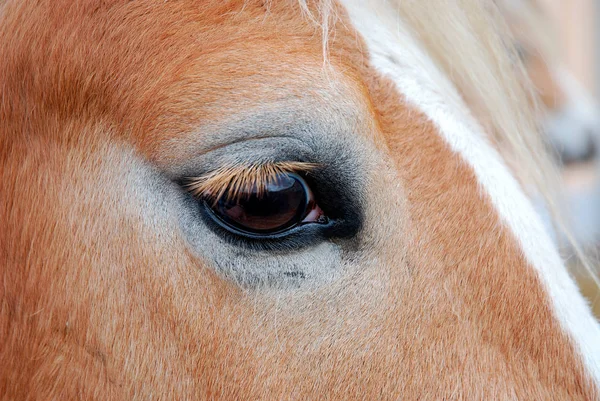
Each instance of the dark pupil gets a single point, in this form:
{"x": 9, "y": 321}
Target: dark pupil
{"x": 280, "y": 206}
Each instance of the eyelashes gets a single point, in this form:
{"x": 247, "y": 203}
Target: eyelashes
{"x": 233, "y": 183}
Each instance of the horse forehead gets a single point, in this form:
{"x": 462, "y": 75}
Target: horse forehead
{"x": 222, "y": 62}
{"x": 157, "y": 68}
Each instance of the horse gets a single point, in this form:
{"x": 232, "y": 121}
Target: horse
{"x": 569, "y": 113}
{"x": 277, "y": 200}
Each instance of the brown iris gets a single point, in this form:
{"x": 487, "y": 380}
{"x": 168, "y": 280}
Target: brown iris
{"x": 281, "y": 204}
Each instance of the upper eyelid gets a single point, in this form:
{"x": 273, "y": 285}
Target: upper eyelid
{"x": 246, "y": 152}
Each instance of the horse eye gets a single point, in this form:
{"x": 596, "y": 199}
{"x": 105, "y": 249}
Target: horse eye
{"x": 283, "y": 203}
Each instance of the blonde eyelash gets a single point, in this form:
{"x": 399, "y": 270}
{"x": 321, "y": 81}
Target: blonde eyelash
{"x": 233, "y": 181}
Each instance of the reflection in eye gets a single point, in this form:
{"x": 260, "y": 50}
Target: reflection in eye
{"x": 260, "y": 200}
{"x": 285, "y": 202}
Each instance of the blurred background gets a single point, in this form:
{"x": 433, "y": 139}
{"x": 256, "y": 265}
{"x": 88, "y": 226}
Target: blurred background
{"x": 560, "y": 45}
{"x": 575, "y": 22}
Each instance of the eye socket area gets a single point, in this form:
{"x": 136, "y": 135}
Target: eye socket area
{"x": 260, "y": 201}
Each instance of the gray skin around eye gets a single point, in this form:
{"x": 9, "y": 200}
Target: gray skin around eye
{"x": 317, "y": 262}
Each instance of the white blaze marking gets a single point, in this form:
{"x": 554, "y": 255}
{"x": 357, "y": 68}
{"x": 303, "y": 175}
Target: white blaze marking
{"x": 395, "y": 54}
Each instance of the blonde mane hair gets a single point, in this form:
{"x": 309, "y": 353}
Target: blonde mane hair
{"x": 472, "y": 45}
{"x": 531, "y": 25}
